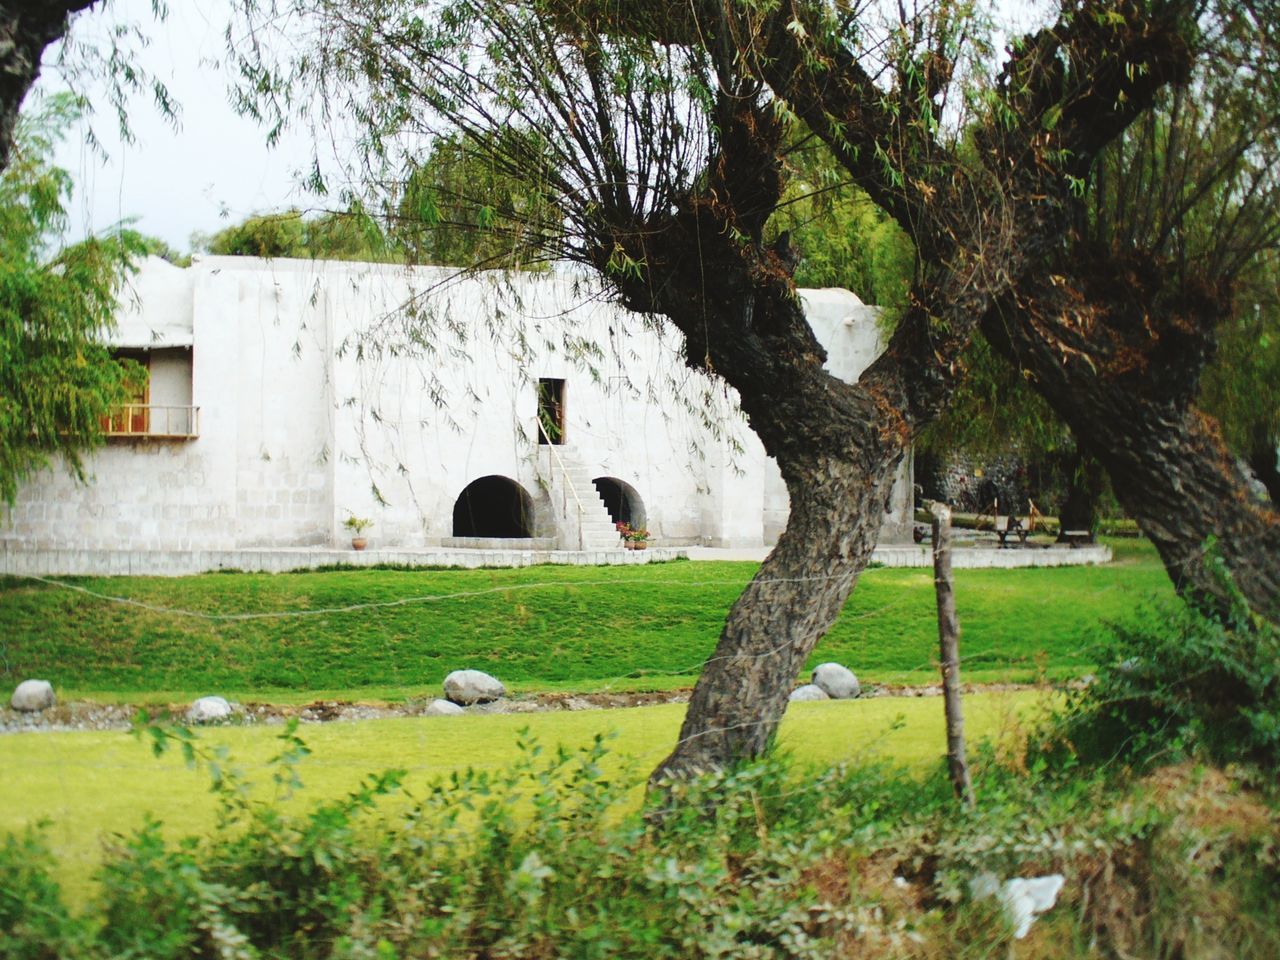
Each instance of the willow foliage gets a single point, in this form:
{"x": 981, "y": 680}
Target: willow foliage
{"x": 57, "y": 379}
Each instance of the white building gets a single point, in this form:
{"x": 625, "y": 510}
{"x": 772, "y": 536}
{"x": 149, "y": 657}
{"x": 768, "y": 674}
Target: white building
{"x": 287, "y": 395}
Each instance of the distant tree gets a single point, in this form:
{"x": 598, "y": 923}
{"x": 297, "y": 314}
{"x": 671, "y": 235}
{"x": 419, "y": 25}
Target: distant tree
{"x": 156, "y": 247}
{"x": 261, "y": 235}
{"x": 340, "y": 235}
{"x": 838, "y": 236}
{"x": 57, "y": 380}
{"x": 461, "y": 209}
{"x": 351, "y": 234}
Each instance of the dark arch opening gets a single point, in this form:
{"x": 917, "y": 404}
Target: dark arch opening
{"x": 621, "y": 500}
{"x": 494, "y": 507}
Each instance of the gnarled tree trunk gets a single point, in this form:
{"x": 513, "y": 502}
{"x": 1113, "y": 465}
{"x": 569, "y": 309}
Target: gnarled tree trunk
{"x": 796, "y": 595}
{"x": 1118, "y": 357}
{"x": 976, "y": 233}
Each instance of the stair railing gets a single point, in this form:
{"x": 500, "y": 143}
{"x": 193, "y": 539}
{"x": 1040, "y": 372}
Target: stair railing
{"x": 564, "y": 503}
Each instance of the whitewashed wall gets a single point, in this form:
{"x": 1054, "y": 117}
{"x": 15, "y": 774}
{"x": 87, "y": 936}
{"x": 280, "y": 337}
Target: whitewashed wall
{"x": 320, "y": 397}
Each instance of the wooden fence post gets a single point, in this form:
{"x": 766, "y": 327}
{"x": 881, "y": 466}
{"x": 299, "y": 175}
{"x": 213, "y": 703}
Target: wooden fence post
{"x": 949, "y": 651}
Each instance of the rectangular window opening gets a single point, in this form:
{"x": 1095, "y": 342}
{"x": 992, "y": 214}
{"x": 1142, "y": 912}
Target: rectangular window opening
{"x": 550, "y": 411}
{"x": 133, "y": 417}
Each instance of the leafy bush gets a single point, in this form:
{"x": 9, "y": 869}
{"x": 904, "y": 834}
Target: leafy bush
{"x": 34, "y": 923}
{"x": 1181, "y": 683}
{"x": 549, "y": 858}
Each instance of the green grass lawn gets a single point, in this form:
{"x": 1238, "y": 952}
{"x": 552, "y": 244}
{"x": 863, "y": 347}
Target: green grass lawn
{"x": 540, "y": 628}
{"x": 91, "y": 786}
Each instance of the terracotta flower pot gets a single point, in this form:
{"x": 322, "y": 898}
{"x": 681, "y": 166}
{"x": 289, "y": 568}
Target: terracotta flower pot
{"x": 359, "y": 543}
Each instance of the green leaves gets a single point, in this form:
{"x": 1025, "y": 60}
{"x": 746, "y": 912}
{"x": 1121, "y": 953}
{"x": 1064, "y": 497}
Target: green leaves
{"x": 57, "y": 380}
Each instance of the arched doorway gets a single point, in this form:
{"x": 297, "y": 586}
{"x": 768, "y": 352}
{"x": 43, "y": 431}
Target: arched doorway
{"x": 494, "y": 507}
{"x": 621, "y": 500}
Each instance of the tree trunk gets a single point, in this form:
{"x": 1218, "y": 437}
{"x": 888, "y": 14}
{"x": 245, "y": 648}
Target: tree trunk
{"x": 976, "y": 230}
{"x": 1118, "y": 357}
{"x": 949, "y": 653}
{"x": 27, "y": 27}
{"x": 1085, "y": 481}
{"x": 774, "y": 625}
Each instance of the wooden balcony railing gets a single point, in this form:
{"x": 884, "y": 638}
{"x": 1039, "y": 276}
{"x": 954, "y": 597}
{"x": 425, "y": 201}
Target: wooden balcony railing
{"x": 152, "y": 420}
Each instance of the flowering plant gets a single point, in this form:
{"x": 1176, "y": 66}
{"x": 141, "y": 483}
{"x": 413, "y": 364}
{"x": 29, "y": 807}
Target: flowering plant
{"x": 632, "y": 534}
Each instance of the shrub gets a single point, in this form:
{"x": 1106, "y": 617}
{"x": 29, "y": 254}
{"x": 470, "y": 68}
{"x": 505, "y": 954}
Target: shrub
{"x": 1182, "y": 683}
{"x": 34, "y": 923}
{"x": 549, "y": 858}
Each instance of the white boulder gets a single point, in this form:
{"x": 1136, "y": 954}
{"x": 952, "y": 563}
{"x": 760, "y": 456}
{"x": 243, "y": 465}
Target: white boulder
{"x": 209, "y": 710}
{"x": 472, "y": 686}
{"x": 442, "y": 708}
{"x": 837, "y": 682}
{"x": 32, "y": 696}
{"x": 808, "y": 692}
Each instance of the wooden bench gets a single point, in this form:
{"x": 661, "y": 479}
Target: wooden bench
{"x": 1076, "y": 538}
{"x": 1012, "y": 527}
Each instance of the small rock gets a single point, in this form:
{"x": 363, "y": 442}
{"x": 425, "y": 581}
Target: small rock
{"x": 209, "y": 710}
{"x": 836, "y": 681}
{"x": 32, "y": 696}
{"x": 442, "y": 708}
{"x": 472, "y": 686}
{"x": 809, "y": 691}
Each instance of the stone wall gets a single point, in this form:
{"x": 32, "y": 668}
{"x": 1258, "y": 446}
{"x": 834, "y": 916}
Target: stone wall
{"x": 327, "y": 390}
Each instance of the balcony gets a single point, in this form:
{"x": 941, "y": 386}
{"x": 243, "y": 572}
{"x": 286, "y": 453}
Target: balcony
{"x": 151, "y": 421}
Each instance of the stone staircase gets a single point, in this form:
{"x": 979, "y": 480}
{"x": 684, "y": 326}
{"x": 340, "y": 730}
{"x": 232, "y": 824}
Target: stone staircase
{"x": 569, "y": 477}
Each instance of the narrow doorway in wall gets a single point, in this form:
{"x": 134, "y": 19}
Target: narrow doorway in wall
{"x": 550, "y": 411}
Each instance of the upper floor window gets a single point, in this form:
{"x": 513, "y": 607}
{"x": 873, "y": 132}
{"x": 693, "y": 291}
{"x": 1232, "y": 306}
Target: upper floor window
{"x": 160, "y": 407}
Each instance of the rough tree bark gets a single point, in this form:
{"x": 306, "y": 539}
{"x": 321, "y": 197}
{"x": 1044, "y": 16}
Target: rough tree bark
{"x": 1118, "y": 356}
{"x": 837, "y": 444}
{"x": 27, "y": 27}
{"x": 1124, "y": 385}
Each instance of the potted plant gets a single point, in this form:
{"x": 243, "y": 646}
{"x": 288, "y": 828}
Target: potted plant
{"x": 633, "y": 538}
{"x": 357, "y": 526}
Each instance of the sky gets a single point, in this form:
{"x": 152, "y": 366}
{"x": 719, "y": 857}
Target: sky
{"x": 213, "y": 170}
{"x": 216, "y": 168}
